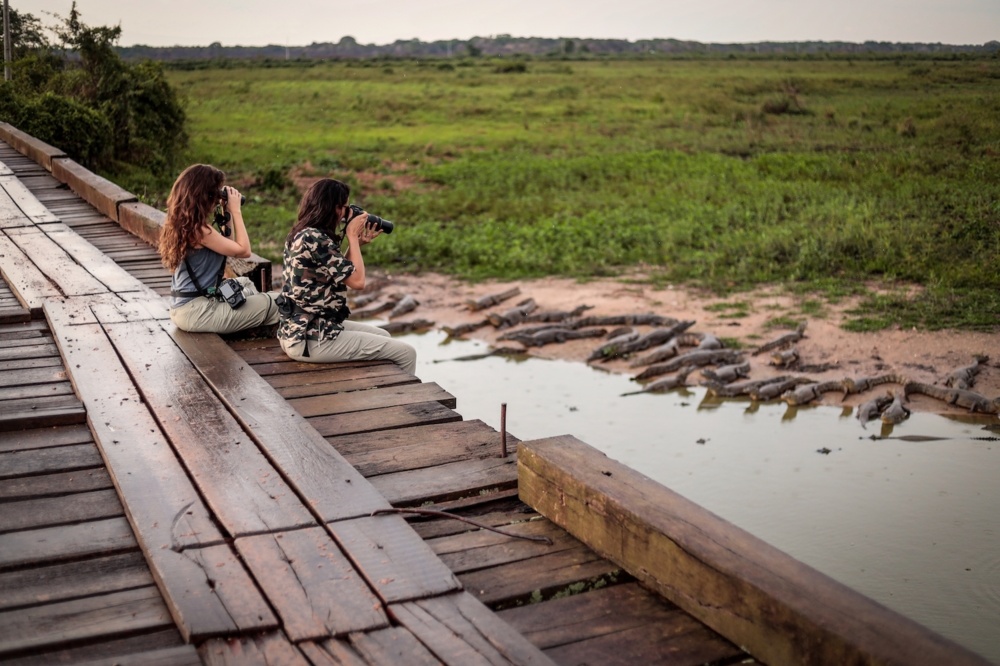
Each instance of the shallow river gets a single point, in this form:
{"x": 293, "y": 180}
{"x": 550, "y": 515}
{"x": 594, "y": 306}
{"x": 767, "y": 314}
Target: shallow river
{"x": 914, "y": 525}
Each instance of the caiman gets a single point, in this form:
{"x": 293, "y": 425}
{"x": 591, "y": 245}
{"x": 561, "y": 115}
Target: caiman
{"x": 662, "y": 353}
{"x": 727, "y": 373}
{"x": 667, "y": 383}
{"x": 696, "y": 358}
{"x": 862, "y": 384}
{"x": 971, "y": 400}
{"x": 965, "y": 378}
{"x": 782, "y": 341}
{"x": 740, "y": 388}
{"x": 775, "y": 389}
{"x": 873, "y": 408}
{"x": 896, "y": 412}
{"x": 613, "y": 347}
{"x": 809, "y": 392}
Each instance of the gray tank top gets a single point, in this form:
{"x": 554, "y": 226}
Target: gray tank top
{"x": 206, "y": 264}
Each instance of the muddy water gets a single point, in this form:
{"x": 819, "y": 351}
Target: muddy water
{"x": 914, "y": 525}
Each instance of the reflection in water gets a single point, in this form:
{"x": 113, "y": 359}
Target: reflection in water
{"x": 906, "y": 516}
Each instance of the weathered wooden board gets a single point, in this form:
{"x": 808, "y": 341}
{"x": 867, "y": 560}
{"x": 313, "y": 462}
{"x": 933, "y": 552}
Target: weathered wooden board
{"x": 44, "y": 437}
{"x": 389, "y": 376}
{"x": 404, "y": 416}
{"x": 314, "y": 589}
{"x": 336, "y": 376}
{"x": 52, "y": 544}
{"x": 295, "y": 367}
{"x": 449, "y": 481}
{"x": 97, "y": 263}
{"x": 540, "y": 577}
{"x": 36, "y": 391}
{"x": 394, "y": 645}
{"x": 753, "y": 594}
{"x": 377, "y": 453}
{"x": 27, "y": 363}
{"x": 116, "y": 614}
{"x": 47, "y": 461}
{"x": 458, "y": 629}
{"x": 376, "y": 398}
{"x": 158, "y": 496}
{"x": 479, "y": 549}
{"x": 332, "y": 652}
{"x": 38, "y": 412}
{"x": 71, "y": 278}
{"x": 619, "y": 624}
{"x": 27, "y": 350}
{"x": 393, "y": 559}
{"x": 261, "y": 650}
{"x": 57, "y": 582}
{"x": 28, "y": 203}
{"x": 328, "y": 484}
{"x": 11, "y": 215}
{"x": 41, "y": 374}
{"x": 244, "y": 490}
{"x": 53, "y": 485}
{"x": 30, "y": 284}
{"x": 50, "y": 511}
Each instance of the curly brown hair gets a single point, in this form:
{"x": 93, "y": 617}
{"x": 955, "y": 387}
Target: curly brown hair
{"x": 192, "y": 198}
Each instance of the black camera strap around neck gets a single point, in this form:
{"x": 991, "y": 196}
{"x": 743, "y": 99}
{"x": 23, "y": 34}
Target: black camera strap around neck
{"x": 197, "y": 285}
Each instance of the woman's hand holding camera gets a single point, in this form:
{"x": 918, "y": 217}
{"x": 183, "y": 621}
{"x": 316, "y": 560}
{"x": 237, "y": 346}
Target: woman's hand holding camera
{"x": 361, "y": 230}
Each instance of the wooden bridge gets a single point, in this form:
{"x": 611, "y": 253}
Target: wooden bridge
{"x": 176, "y": 498}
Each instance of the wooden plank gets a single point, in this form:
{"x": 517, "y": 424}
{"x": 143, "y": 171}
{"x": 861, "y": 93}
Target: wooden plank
{"x": 162, "y": 504}
{"x": 619, "y": 624}
{"x": 326, "y": 374}
{"x": 181, "y": 655}
{"x": 245, "y": 492}
{"x": 11, "y": 216}
{"x": 295, "y": 368}
{"x": 543, "y": 577}
{"x": 328, "y": 483}
{"x": 404, "y": 416}
{"x": 51, "y": 544}
{"x": 71, "y": 278}
{"x": 480, "y": 549}
{"x": 450, "y": 481}
{"x": 128, "y": 611}
{"x": 458, "y": 629}
{"x": 10, "y": 315}
{"x": 53, "y": 485}
{"x": 376, "y": 398}
{"x": 753, "y": 594}
{"x": 394, "y": 645}
{"x": 99, "y": 192}
{"x": 397, "y": 378}
{"x": 28, "y": 363}
{"x": 36, "y": 375}
{"x": 50, "y": 511}
{"x": 49, "y": 460}
{"x": 332, "y": 652}
{"x": 39, "y": 412}
{"x": 377, "y": 453}
{"x": 27, "y": 351}
{"x": 44, "y": 437}
{"x": 393, "y": 559}
{"x": 30, "y": 284}
{"x": 59, "y": 582}
{"x": 127, "y": 651}
{"x": 272, "y": 649}
{"x": 314, "y": 589}
{"x": 97, "y": 263}
{"x": 26, "y": 201}
{"x": 35, "y": 391}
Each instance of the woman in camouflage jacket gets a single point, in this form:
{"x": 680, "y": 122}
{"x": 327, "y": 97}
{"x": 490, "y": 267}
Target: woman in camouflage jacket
{"x": 314, "y": 315}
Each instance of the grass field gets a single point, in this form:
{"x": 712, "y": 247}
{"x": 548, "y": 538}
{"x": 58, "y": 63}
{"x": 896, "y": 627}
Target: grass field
{"x": 827, "y": 176}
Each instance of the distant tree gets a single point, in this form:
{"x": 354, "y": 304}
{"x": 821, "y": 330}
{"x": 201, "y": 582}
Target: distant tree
{"x": 82, "y": 97}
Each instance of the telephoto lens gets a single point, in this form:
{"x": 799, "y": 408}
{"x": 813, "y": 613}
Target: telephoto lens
{"x": 380, "y": 224}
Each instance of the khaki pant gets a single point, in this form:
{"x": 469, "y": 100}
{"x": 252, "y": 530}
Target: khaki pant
{"x": 357, "y": 342}
{"x": 207, "y": 315}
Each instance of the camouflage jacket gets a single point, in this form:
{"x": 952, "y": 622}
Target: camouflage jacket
{"x": 314, "y": 271}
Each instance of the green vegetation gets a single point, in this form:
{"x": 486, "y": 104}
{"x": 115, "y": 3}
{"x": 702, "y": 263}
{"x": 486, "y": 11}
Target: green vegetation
{"x": 80, "y": 96}
{"x": 828, "y": 175}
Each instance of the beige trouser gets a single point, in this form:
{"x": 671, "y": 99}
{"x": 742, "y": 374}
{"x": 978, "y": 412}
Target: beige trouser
{"x": 207, "y": 315}
{"x": 357, "y": 342}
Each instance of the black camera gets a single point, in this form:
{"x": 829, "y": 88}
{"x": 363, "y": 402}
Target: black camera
{"x": 232, "y": 292}
{"x": 224, "y": 195}
{"x": 380, "y": 224}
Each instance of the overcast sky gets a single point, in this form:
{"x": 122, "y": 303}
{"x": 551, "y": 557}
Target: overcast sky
{"x": 300, "y": 22}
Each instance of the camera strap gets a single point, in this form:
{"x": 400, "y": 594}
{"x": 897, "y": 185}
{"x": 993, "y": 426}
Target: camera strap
{"x": 213, "y": 292}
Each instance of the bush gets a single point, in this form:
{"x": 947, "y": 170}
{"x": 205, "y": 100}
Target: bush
{"x": 80, "y": 131}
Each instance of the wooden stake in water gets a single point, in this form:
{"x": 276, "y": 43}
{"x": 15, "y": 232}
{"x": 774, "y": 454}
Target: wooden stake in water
{"x": 503, "y": 429}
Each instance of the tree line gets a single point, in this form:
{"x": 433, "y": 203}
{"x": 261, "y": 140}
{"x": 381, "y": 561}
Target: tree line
{"x": 76, "y": 92}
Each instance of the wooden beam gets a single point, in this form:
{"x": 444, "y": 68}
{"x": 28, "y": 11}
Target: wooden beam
{"x": 99, "y": 192}
{"x": 779, "y": 609}
{"x": 29, "y": 284}
{"x": 28, "y": 203}
{"x": 52, "y": 260}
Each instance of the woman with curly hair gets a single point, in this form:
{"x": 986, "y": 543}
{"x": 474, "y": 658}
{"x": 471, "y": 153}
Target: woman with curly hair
{"x": 196, "y": 252}
{"x": 314, "y": 315}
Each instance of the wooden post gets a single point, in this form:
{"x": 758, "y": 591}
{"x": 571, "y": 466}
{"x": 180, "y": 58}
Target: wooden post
{"x": 7, "y": 51}
{"x": 503, "y": 429}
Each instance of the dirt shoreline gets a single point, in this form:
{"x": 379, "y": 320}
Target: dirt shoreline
{"x": 917, "y": 355}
